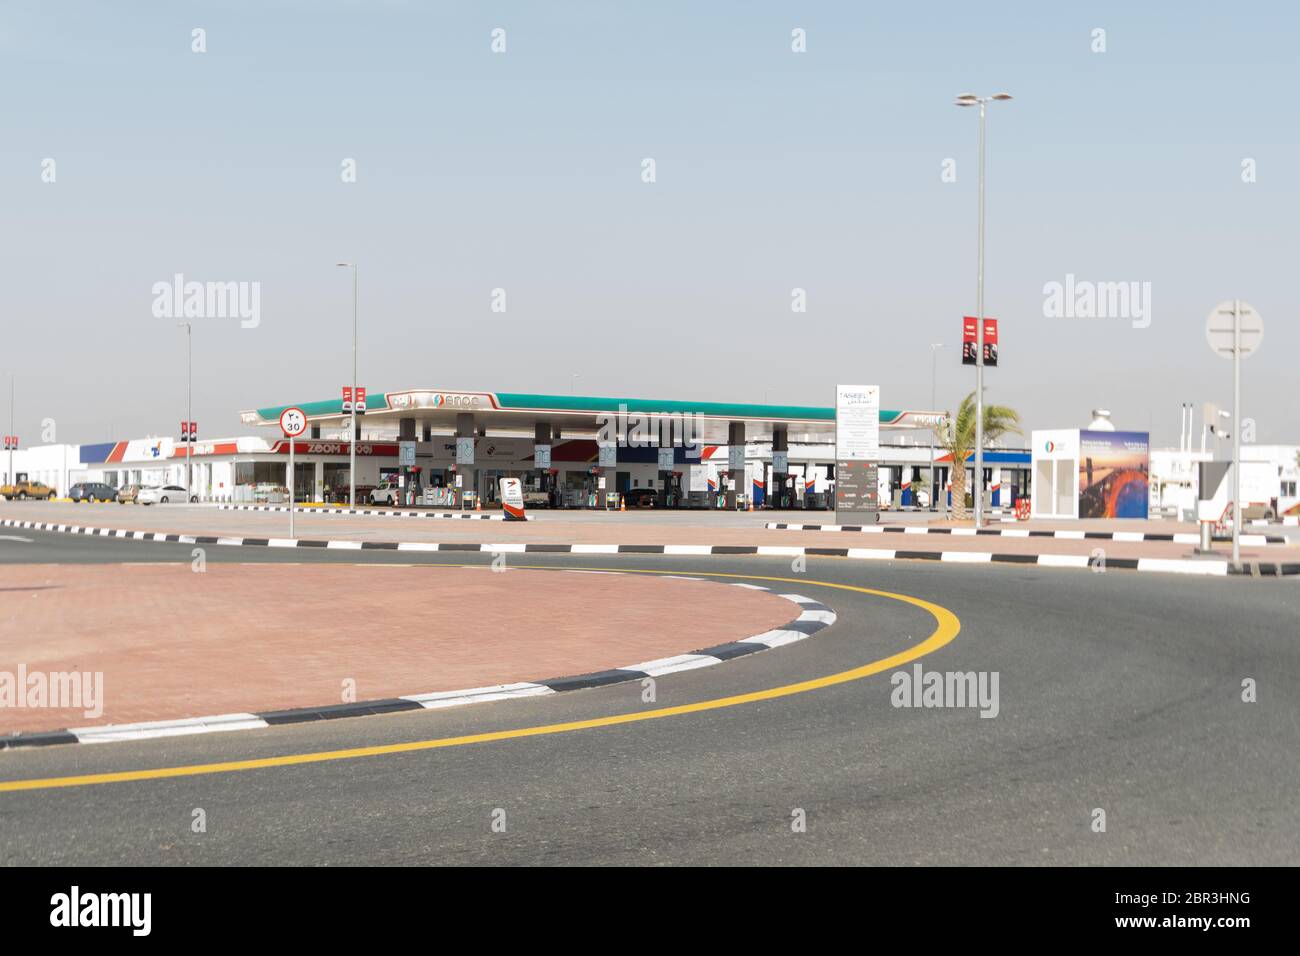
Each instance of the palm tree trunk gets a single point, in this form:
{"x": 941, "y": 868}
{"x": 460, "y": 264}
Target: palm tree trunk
{"x": 959, "y": 512}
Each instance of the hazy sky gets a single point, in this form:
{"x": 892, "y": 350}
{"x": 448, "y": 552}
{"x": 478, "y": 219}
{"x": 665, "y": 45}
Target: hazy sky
{"x": 523, "y": 170}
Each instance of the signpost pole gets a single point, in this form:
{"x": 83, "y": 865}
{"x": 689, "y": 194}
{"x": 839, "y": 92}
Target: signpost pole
{"x": 1236, "y": 431}
{"x": 293, "y": 422}
{"x": 352, "y": 433}
{"x": 1243, "y": 337}
{"x": 979, "y": 353}
{"x": 189, "y": 410}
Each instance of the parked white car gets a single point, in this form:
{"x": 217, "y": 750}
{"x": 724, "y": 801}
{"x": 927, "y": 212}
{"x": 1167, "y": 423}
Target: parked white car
{"x": 386, "y": 492}
{"x": 161, "y": 495}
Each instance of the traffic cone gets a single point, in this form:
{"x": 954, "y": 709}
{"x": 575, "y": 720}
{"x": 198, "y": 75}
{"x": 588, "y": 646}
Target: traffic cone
{"x": 751, "y": 503}
{"x": 478, "y": 503}
{"x": 622, "y": 504}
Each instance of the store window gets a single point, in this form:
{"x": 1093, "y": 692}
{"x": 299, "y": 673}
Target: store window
{"x": 259, "y": 473}
{"x": 336, "y": 481}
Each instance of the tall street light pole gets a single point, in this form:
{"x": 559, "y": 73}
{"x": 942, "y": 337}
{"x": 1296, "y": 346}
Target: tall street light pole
{"x": 934, "y": 365}
{"x": 353, "y": 425}
{"x": 189, "y": 406}
{"x": 12, "y": 480}
{"x": 970, "y": 99}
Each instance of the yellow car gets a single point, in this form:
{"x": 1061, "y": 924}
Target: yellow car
{"x": 27, "y": 489}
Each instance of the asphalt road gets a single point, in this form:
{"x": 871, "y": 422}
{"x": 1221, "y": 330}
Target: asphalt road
{"x": 1117, "y": 691}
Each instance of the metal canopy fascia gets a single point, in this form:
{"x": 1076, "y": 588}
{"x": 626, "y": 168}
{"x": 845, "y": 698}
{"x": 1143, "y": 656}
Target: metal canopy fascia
{"x": 522, "y": 409}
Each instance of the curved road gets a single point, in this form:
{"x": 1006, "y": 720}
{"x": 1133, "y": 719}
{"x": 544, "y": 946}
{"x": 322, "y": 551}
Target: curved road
{"x": 1116, "y": 691}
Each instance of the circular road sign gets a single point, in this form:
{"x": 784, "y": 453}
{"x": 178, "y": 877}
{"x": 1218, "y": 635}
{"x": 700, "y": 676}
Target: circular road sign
{"x": 293, "y": 422}
{"x": 1218, "y": 329}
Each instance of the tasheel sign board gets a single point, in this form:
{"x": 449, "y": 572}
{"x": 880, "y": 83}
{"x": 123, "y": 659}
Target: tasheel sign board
{"x": 857, "y": 450}
{"x": 857, "y": 422}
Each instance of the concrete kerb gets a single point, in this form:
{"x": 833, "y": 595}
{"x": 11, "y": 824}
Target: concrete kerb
{"x": 1207, "y": 567}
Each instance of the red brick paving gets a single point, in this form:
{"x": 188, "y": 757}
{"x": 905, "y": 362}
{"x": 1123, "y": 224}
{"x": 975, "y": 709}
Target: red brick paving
{"x": 240, "y": 638}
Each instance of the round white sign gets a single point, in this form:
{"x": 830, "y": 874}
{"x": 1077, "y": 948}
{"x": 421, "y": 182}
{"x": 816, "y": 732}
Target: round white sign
{"x": 293, "y": 422}
{"x": 1220, "y": 334}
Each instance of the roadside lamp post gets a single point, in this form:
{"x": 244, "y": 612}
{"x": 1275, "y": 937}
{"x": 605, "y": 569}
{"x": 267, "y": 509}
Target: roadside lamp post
{"x": 189, "y": 405}
{"x": 352, "y": 425}
{"x": 11, "y": 441}
{"x": 934, "y": 356}
{"x": 970, "y": 99}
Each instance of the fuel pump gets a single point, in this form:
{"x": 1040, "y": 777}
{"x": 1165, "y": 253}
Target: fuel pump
{"x": 780, "y": 491}
{"x": 592, "y": 487}
{"x": 414, "y": 489}
{"x": 672, "y": 488}
{"x": 551, "y": 485}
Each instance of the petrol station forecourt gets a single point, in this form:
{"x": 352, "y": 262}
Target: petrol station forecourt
{"x": 552, "y": 442}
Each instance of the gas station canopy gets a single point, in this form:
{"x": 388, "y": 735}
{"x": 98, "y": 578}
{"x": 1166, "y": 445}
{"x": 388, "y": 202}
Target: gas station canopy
{"x": 506, "y": 412}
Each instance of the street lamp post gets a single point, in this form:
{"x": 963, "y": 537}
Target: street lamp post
{"x": 934, "y": 365}
{"x": 970, "y": 99}
{"x": 11, "y": 480}
{"x": 189, "y": 406}
{"x": 352, "y": 426}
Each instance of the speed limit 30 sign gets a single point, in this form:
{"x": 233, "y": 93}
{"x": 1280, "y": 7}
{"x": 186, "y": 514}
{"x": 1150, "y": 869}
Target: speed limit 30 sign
{"x": 293, "y": 422}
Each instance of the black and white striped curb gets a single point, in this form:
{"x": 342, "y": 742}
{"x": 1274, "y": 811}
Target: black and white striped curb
{"x": 813, "y": 617}
{"x": 1064, "y": 535}
{"x": 1288, "y": 521}
{"x": 1207, "y": 567}
{"x": 380, "y": 512}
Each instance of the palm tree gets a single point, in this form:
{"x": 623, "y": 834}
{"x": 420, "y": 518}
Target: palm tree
{"x": 957, "y": 437}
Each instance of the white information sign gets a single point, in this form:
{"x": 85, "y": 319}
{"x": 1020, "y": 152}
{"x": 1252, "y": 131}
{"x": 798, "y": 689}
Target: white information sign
{"x": 465, "y": 451}
{"x": 857, "y": 422}
{"x": 511, "y": 493}
{"x": 542, "y": 456}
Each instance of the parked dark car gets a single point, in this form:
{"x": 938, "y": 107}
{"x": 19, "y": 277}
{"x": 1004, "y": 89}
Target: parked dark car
{"x": 641, "y": 498}
{"x": 92, "y": 491}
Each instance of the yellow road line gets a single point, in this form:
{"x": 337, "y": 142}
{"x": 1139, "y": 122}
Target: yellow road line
{"x": 947, "y": 628}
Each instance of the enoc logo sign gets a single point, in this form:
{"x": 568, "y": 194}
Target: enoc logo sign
{"x": 459, "y": 400}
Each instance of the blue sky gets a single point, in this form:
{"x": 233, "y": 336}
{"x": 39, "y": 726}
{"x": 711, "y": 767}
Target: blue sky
{"x": 521, "y": 171}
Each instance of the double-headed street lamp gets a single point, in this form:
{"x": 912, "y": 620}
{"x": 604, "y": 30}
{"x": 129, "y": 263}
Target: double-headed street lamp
{"x": 352, "y": 425}
{"x": 970, "y": 99}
